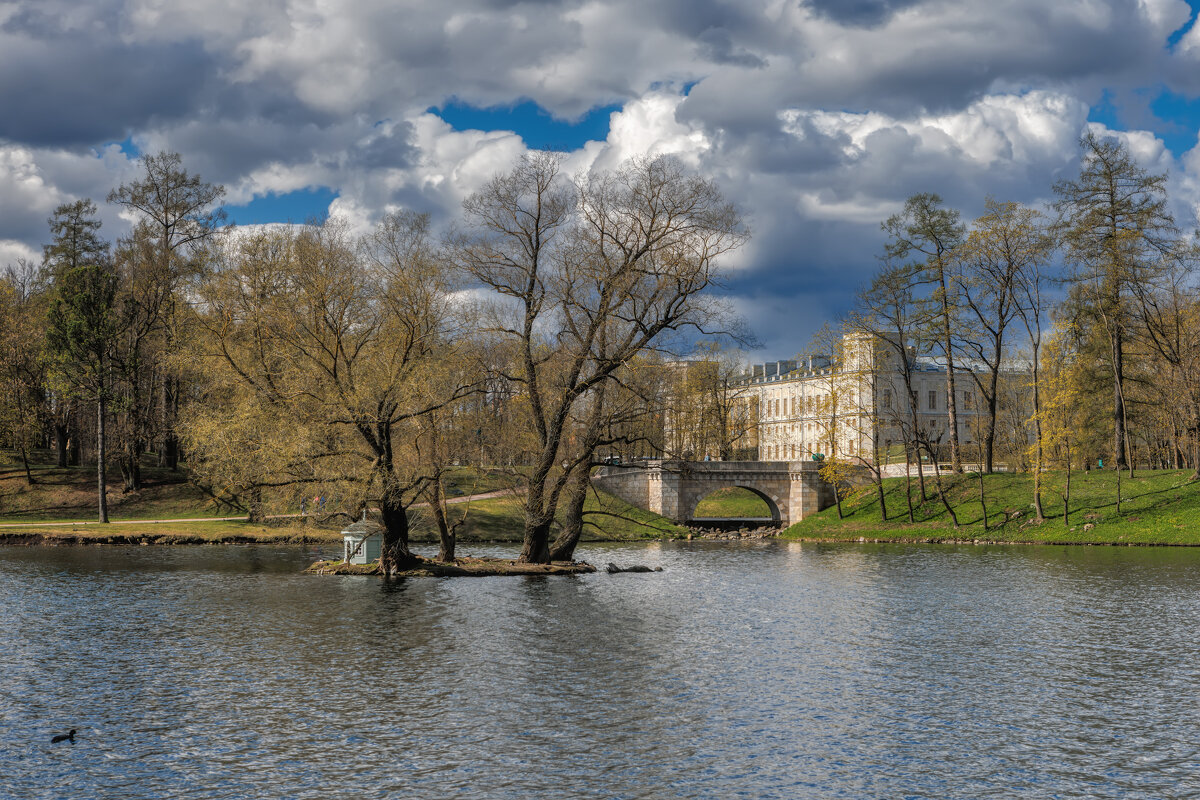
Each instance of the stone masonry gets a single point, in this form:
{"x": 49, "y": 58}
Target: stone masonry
{"x": 791, "y": 489}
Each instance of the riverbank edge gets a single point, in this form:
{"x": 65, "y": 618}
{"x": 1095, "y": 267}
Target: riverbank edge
{"x": 466, "y": 567}
{"x": 55, "y": 538}
{"x": 972, "y": 541}
{"x": 33, "y": 537}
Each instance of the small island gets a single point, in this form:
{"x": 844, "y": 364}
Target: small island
{"x": 460, "y": 567}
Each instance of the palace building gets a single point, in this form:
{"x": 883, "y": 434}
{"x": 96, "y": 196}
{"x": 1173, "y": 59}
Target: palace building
{"x": 854, "y": 404}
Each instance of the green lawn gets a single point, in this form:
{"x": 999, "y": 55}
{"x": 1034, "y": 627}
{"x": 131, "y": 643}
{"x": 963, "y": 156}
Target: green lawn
{"x": 1159, "y": 507}
{"x": 732, "y": 503}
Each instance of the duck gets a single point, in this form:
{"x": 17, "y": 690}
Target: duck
{"x": 64, "y": 737}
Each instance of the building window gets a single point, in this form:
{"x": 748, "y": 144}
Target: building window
{"x": 968, "y": 401}
{"x": 933, "y": 399}
{"x": 887, "y": 398}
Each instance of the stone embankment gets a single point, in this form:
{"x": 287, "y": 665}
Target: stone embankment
{"x": 716, "y": 534}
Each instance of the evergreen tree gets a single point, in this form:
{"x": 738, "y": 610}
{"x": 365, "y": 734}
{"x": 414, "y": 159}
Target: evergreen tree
{"x": 80, "y": 335}
{"x": 1114, "y": 223}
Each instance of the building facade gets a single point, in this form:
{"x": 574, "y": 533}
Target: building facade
{"x": 854, "y": 404}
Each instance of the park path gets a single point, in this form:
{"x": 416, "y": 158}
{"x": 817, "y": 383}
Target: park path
{"x": 34, "y": 523}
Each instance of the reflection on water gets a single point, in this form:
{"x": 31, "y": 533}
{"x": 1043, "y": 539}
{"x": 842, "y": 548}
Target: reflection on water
{"x": 754, "y": 669}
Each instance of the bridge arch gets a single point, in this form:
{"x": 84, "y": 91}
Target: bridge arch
{"x": 692, "y": 499}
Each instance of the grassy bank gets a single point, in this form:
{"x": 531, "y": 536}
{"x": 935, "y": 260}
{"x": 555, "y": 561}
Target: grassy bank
{"x": 60, "y": 507}
{"x": 1160, "y": 507}
{"x": 502, "y": 519}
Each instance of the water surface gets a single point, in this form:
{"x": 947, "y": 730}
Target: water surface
{"x": 758, "y": 670}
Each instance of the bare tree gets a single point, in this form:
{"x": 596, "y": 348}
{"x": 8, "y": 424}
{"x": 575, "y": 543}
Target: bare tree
{"x": 1002, "y": 256}
{"x": 928, "y": 230}
{"x": 591, "y": 274}
{"x": 177, "y": 214}
{"x": 1168, "y": 309}
{"x": 891, "y": 313}
{"x": 327, "y": 361}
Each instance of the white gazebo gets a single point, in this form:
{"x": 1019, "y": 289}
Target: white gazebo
{"x": 362, "y": 542}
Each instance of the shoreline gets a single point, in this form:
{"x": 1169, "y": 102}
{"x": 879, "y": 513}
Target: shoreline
{"x": 998, "y": 542}
{"x": 30, "y": 536}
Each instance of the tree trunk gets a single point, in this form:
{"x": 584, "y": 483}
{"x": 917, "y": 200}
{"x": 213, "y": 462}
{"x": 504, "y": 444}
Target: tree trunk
{"x": 168, "y": 414}
{"x": 989, "y": 439}
{"x": 1067, "y": 492}
{"x": 131, "y": 468}
{"x": 171, "y": 444}
{"x": 1118, "y": 398}
{"x": 1037, "y": 433}
{"x": 394, "y": 556}
{"x": 536, "y": 549}
{"x": 564, "y": 545}
{"x": 937, "y": 479}
{"x": 101, "y": 455}
{"x": 951, "y": 401}
{"x": 255, "y": 506}
{"x": 908, "y": 488}
{"x": 446, "y": 537}
{"x": 25, "y": 460}
{"x": 982, "y": 500}
{"x": 879, "y": 490}
{"x": 60, "y": 444}
{"x": 1118, "y": 490}
{"x": 75, "y": 450}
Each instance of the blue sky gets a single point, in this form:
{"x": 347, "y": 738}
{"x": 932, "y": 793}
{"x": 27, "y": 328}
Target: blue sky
{"x": 817, "y": 117}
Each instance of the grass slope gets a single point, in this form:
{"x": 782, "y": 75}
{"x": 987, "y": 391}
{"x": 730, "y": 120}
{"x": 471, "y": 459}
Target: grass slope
{"x": 732, "y": 503}
{"x": 1159, "y": 507}
{"x": 65, "y": 495}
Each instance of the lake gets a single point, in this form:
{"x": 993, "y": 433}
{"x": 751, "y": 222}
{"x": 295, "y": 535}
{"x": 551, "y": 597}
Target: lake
{"x": 745, "y": 669}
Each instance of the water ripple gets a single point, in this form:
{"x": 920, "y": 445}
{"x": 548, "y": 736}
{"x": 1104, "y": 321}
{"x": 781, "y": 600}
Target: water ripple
{"x": 759, "y": 670}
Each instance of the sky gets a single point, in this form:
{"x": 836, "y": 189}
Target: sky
{"x": 816, "y": 117}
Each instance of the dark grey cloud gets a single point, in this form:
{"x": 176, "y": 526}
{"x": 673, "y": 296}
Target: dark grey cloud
{"x": 865, "y": 13}
{"x": 75, "y": 90}
{"x": 716, "y": 45}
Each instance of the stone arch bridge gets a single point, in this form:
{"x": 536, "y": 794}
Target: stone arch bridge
{"x": 791, "y": 489}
